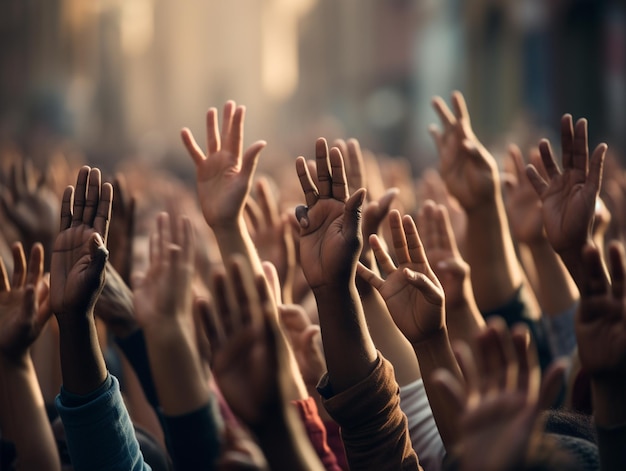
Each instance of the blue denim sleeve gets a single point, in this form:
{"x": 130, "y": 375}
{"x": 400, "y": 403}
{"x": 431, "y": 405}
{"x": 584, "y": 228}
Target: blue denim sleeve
{"x": 98, "y": 430}
{"x": 562, "y": 332}
{"x": 516, "y": 310}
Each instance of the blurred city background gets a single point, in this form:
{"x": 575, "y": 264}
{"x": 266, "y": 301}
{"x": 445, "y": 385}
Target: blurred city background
{"x": 117, "y": 79}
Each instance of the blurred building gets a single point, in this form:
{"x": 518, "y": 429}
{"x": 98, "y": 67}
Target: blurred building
{"x": 121, "y": 77}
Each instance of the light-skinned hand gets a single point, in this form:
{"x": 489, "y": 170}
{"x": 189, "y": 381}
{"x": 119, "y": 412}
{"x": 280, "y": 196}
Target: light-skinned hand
{"x": 411, "y": 290}
{"x": 224, "y": 173}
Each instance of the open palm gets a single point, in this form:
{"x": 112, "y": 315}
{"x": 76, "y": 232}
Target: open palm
{"x": 330, "y": 239}
{"x": 21, "y": 316}
{"x": 470, "y": 172}
{"x": 569, "y": 195}
{"x": 80, "y": 255}
{"x": 411, "y": 290}
{"x": 224, "y": 174}
{"x": 601, "y": 320}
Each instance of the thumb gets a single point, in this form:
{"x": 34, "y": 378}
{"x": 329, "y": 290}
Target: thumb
{"x": 309, "y": 337}
{"x": 302, "y": 217}
{"x": 455, "y": 267}
{"x": 99, "y": 255}
{"x": 29, "y": 304}
{"x": 251, "y": 158}
{"x": 473, "y": 151}
{"x": 428, "y": 288}
{"x": 352, "y": 214}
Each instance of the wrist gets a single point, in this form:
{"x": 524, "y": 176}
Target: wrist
{"x": 79, "y": 320}
{"x": 461, "y": 301}
{"x": 227, "y": 227}
{"x": 487, "y": 209}
{"x": 608, "y": 394}
{"x": 573, "y": 253}
{"x": 168, "y": 329}
{"x": 18, "y": 361}
{"x": 433, "y": 341}
{"x": 537, "y": 243}
{"x": 335, "y": 291}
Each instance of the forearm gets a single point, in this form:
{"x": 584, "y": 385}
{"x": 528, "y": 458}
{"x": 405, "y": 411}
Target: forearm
{"x": 389, "y": 340}
{"x": 176, "y": 367}
{"x": 285, "y": 443}
{"x": 45, "y": 356}
{"x": 557, "y": 292}
{"x": 235, "y": 240}
{"x": 464, "y": 320}
{"x": 82, "y": 364}
{"x": 495, "y": 271}
{"x": 23, "y": 417}
{"x": 435, "y": 353}
{"x": 195, "y": 439}
{"x": 609, "y": 413}
{"x": 609, "y": 407}
{"x": 136, "y": 352}
{"x": 572, "y": 259}
{"x": 348, "y": 348}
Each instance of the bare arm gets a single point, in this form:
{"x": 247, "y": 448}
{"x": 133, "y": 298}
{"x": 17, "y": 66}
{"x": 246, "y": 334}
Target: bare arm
{"x": 463, "y": 318}
{"x": 23, "y": 415}
{"x": 601, "y": 334}
{"x": 330, "y": 243}
{"x": 415, "y": 301}
{"x": 224, "y": 178}
{"x": 557, "y": 291}
{"x": 471, "y": 175}
{"x": 251, "y": 366}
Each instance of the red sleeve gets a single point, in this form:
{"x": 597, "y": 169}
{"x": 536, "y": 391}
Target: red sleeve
{"x": 317, "y": 432}
{"x": 333, "y": 437}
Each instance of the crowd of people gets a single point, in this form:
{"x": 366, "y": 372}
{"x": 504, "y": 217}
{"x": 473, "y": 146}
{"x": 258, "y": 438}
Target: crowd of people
{"x": 471, "y": 318}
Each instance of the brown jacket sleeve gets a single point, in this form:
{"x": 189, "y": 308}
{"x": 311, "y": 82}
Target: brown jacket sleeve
{"x": 373, "y": 427}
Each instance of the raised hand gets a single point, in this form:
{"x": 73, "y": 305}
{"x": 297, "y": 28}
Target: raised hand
{"x": 250, "y": 365}
{"x": 163, "y": 306}
{"x": 463, "y": 318}
{"x": 601, "y": 335}
{"x": 601, "y": 322}
{"x": 115, "y": 305}
{"x": 163, "y": 294}
{"x": 411, "y": 290}
{"x": 355, "y": 166}
{"x": 270, "y": 232}
{"x": 122, "y": 231}
{"x": 522, "y": 203}
{"x": 305, "y": 340}
{"x": 469, "y": 170}
{"x": 330, "y": 239}
{"x": 498, "y": 404}
{"x": 23, "y": 310}
{"x": 80, "y": 254}
{"x": 443, "y": 253}
{"x": 248, "y": 360}
{"x": 224, "y": 174}
{"x": 432, "y": 187}
{"x": 569, "y": 195}
{"x": 31, "y": 205}
{"x": 374, "y": 211}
